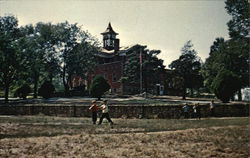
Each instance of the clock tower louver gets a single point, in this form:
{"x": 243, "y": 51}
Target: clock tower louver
{"x": 110, "y": 42}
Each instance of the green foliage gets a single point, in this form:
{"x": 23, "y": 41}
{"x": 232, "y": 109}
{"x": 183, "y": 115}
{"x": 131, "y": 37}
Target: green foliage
{"x": 225, "y": 85}
{"x": 77, "y": 49}
{"x": 99, "y": 86}
{"x": 46, "y": 90}
{"x": 239, "y": 25}
{"x": 81, "y": 59}
{"x": 34, "y": 53}
{"x": 31, "y": 46}
{"x": 47, "y": 40}
{"x": 188, "y": 67}
{"x": 11, "y": 58}
{"x": 212, "y": 64}
{"x": 231, "y": 55}
{"x": 152, "y": 66}
{"x": 23, "y": 91}
{"x": 174, "y": 83}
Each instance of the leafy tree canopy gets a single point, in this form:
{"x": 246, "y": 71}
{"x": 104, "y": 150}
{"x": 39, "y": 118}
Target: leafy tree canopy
{"x": 239, "y": 25}
{"x": 188, "y": 67}
{"x": 139, "y": 58}
{"x": 11, "y": 58}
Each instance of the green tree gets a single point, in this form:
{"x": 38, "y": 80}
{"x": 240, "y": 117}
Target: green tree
{"x": 10, "y": 58}
{"x": 188, "y": 67}
{"x": 99, "y": 86}
{"x": 82, "y": 60}
{"x": 239, "y": 25}
{"x": 37, "y": 44}
{"x": 48, "y": 41}
{"x": 33, "y": 66}
{"x": 212, "y": 66}
{"x": 139, "y": 58}
{"x": 231, "y": 55}
{"x": 225, "y": 85}
{"x": 76, "y": 49}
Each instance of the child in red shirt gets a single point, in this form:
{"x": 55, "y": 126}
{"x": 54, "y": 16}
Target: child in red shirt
{"x": 94, "y": 108}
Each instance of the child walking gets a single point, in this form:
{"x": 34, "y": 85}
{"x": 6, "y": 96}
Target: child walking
{"x": 94, "y": 108}
{"x": 105, "y": 113}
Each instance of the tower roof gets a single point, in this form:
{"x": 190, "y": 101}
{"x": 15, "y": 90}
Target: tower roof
{"x": 109, "y": 30}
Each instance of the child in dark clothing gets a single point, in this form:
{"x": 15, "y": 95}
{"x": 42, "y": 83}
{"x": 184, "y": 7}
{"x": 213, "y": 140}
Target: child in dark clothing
{"x": 197, "y": 111}
{"x": 186, "y": 110}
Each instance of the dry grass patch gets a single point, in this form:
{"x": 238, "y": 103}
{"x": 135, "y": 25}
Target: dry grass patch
{"x": 212, "y": 142}
{"x": 132, "y": 138}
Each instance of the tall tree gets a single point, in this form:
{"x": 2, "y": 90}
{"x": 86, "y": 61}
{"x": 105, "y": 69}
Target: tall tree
{"x": 76, "y": 48}
{"x": 49, "y": 41}
{"x": 138, "y": 59}
{"x": 231, "y": 55}
{"x": 239, "y": 25}
{"x": 38, "y": 44}
{"x": 34, "y": 56}
{"x": 10, "y": 57}
{"x": 82, "y": 59}
{"x": 210, "y": 69}
{"x": 187, "y": 66}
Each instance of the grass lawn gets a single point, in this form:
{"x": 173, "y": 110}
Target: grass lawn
{"x": 44, "y": 136}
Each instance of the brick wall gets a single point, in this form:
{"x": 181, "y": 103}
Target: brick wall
{"x": 124, "y": 111}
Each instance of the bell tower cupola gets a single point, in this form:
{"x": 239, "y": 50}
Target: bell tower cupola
{"x": 110, "y": 42}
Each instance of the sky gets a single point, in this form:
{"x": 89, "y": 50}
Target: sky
{"x": 164, "y": 25}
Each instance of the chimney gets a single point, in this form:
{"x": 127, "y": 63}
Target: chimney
{"x": 117, "y": 45}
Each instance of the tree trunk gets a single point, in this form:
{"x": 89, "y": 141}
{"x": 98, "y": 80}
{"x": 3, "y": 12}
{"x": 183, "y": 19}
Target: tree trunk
{"x": 66, "y": 86}
{"x": 192, "y": 92}
{"x": 184, "y": 93}
{"x": 145, "y": 83}
{"x": 70, "y": 82}
{"x": 36, "y": 78}
{"x": 50, "y": 78}
{"x": 66, "y": 90}
{"x": 239, "y": 95}
{"x": 6, "y": 92}
{"x": 6, "y": 81}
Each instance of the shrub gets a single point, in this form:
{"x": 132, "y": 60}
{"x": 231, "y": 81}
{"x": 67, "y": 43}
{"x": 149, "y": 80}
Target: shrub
{"x": 46, "y": 90}
{"x": 23, "y": 91}
{"x": 98, "y": 87}
{"x": 225, "y": 84}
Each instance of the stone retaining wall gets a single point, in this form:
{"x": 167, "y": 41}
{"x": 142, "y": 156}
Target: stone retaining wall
{"x": 124, "y": 111}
